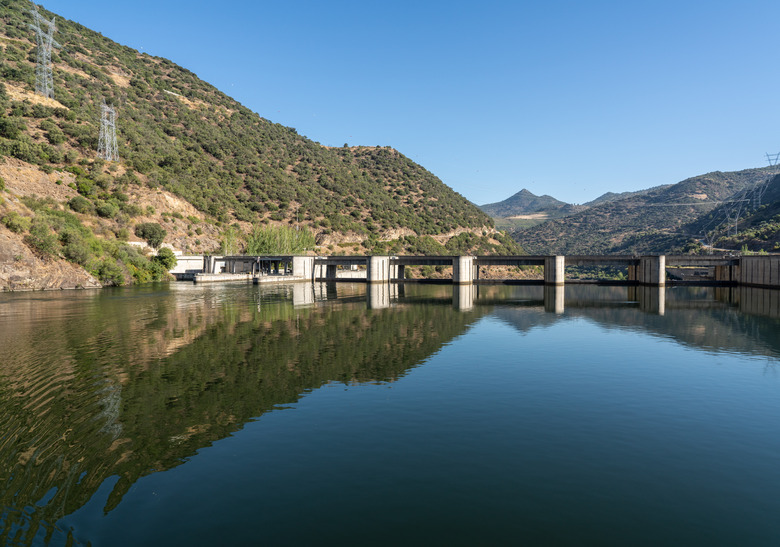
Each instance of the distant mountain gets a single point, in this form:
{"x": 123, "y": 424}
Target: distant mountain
{"x": 613, "y": 196}
{"x": 656, "y": 220}
{"x": 526, "y": 203}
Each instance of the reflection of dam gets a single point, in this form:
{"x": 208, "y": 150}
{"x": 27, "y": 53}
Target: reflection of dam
{"x": 653, "y": 300}
{"x": 551, "y": 298}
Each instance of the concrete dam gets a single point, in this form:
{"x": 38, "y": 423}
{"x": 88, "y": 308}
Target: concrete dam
{"x": 655, "y": 270}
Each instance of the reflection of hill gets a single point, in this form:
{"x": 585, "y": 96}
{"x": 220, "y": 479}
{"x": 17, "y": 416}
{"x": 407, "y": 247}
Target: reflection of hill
{"x": 108, "y": 396}
{"x": 715, "y": 319}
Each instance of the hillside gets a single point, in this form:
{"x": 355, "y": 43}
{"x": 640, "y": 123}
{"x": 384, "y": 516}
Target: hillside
{"x": 183, "y": 139}
{"x": 655, "y": 221}
{"x": 756, "y": 228}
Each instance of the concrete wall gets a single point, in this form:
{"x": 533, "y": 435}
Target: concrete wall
{"x": 303, "y": 266}
{"x": 760, "y": 271}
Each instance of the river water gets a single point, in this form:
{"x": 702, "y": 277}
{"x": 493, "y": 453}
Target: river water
{"x": 336, "y": 414}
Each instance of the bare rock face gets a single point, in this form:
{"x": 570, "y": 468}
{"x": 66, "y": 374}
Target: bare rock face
{"x": 21, "y": 270}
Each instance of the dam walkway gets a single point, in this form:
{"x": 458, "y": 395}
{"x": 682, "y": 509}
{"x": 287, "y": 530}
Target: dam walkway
{"x": 655, "y": 270}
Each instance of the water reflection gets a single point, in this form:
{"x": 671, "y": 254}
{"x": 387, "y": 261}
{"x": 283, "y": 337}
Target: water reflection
{"x": 102, "y": 388}
{"x": 124, "y": 383}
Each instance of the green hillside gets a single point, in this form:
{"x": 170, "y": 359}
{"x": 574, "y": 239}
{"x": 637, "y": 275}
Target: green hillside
{"x": 755, "y": 229}
{"x": 181, "y": 135}
{"x": 659, "y": 220}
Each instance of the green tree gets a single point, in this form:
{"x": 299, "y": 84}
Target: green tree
{"x": 272, "y": 240}
{"x": 165, "y": 258}
{"x": 230, "y": 241}
{"x": 151, "y": 232}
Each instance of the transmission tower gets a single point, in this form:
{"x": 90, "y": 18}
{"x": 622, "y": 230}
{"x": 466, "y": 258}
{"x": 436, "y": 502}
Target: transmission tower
{"x": 44, "y": 36}
{"x": 760, "y": 189}
{"x": 107, "y": 148}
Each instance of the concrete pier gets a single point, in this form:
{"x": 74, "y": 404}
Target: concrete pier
{"x": 554, "y": 270}
{"x": 652, "y": 270}
{"x": 463, "y": 270}
{"x": 303, "y": 266}
{"x": 378, "y": 269}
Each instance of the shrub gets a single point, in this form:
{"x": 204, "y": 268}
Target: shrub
{"x": 76, "y": 248}
{"x": 131, "y": 209}
{"x": 11, "y": 128}
{"x": 16, "y": 222}
{"x": 107, "y": 210}
{"x": 109, "y": 272}
{"x": 151, "y": 232}
{"x": 41, "y": 239}
{"x": 80, "y": 204}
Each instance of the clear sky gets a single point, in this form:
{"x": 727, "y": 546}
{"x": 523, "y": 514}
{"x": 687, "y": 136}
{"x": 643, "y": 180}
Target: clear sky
{"x": 566, "y": 98}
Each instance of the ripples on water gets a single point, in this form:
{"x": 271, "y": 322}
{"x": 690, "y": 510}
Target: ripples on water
{"x": 191, "y": 414}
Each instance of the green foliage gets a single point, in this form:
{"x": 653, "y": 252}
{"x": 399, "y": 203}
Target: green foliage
{"x": 2, "y": 184}
{"x": 271, "y": 240}
{"x": 425, "y": 245}
{"x": 108, "y": 210}
{"x": 165, "y": 258}
{"x": 11, "y": 128}
{"x": 41, "y": 239}
{"x": 131, "y": 209}
{"x": 76, "y": 245}
{"x": 230, "y": 241}
{"x": 109, "y": 272}
{"x": 16, "y": 222}
{"x": 81, "y": 204}
{"x": 151, "y": 232}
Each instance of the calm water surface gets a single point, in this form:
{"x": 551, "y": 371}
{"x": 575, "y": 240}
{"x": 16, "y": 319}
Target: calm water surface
{"x": 419, "y": 415}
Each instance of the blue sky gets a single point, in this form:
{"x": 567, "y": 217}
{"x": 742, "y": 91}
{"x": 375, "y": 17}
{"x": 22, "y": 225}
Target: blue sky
{"x": 566, "y": 98}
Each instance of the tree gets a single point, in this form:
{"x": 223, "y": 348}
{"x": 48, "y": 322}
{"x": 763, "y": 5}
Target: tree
{"x": 229, "y": 244}
{"x": 279, "y": 240}
{"x": 151, "y": 232}
{"x": 166, "y": 258}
